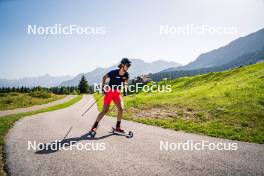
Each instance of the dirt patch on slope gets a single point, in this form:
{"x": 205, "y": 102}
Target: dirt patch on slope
{"x": 165, "y": 112}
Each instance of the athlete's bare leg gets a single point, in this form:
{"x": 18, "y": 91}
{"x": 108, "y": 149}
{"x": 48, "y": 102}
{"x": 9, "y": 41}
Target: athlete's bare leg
{"x": 120, "y": 109}
{"x": 103, "y": 112}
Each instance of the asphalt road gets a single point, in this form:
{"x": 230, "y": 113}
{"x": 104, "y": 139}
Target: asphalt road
{"x": 109, "y": 154}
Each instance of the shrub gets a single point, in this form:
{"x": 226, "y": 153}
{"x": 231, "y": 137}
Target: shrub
{"x": 40, "y": 94}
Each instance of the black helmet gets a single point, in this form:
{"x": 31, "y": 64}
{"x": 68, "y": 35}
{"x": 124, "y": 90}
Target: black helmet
{"x": 126, "y": 62}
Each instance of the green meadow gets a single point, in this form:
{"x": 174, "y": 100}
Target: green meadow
{"x": 15, "y": 100}
{"x": 228, "y": 104}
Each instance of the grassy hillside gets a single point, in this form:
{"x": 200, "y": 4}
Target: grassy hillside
{"x": 15, "y": 100}
{"x": 227, "y": 104}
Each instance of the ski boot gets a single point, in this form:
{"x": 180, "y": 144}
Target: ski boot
{"x": 92, "y": 132}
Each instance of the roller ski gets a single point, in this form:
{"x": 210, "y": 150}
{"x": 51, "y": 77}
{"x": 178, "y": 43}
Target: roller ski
{"x": 119, "y": 131}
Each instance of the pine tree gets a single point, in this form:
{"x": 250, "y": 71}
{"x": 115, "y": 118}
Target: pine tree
{"x": 83, "y": 85}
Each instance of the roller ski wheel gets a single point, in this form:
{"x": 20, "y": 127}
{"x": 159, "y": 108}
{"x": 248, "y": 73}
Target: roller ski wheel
{"x": 122, "y": 132}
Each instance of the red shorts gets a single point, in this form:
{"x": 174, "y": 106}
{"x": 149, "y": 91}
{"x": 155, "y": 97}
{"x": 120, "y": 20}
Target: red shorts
{"x": 110, "y": 95}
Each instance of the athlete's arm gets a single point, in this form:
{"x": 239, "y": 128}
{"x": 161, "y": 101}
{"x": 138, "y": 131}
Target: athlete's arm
{"x": 103, "y": 83}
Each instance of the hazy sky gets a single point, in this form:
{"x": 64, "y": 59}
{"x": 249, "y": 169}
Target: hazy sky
{"x": 132, "y": 30}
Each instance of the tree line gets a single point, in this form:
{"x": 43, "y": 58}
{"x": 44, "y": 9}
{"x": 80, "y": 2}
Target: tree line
{"x": 55, "y": 90}
{"x": 83, "y": 87}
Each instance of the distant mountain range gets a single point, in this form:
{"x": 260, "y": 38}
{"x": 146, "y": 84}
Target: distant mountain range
{"x": 138, "y": 67}
{"x": 242, "y": 51}
{"x": 45, "y": 81}
{"x": 249, "y": 44}
{"x": 245, "y": 59}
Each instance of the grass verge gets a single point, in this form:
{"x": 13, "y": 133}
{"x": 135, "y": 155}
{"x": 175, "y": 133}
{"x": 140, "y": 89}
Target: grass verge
{"x": 6, "y": 122}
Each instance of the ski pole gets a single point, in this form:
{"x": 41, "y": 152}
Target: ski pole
{"x": 67, "y": 133}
